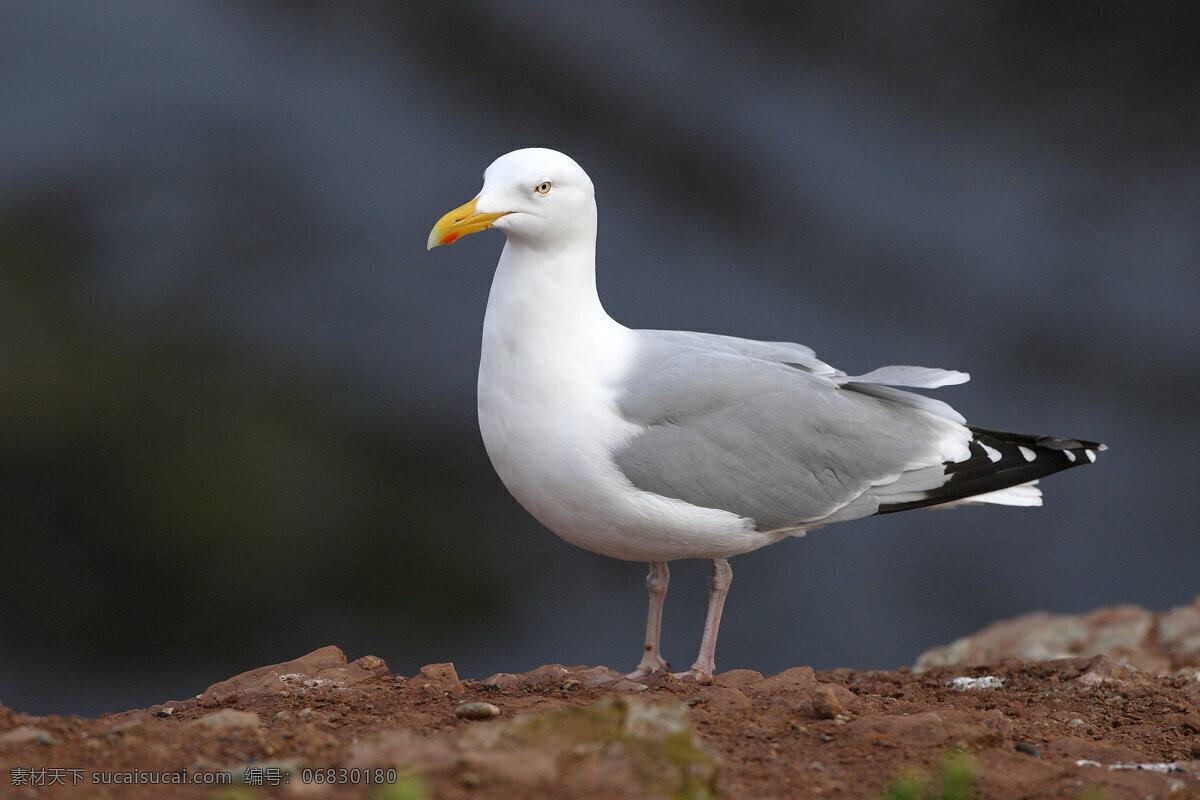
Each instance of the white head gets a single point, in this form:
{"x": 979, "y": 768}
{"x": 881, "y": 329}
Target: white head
{"x": 540, "y": 198}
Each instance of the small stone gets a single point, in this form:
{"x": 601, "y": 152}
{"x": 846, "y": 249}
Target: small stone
{"x": 570, "y": 683}
{"x": 826, "y": 704}
{"x": 370, "y": 662}
{"x": 165, "y": 711}
{"x": 598, "y": 677}
{"x": 967, "y": 684}
{"x": 547, "y": 673}
{"x": 477, "y": 711}
{"x": 503, "y": 680}
{"x": 442, "y": 676}
{"x": 1028, "y": 749}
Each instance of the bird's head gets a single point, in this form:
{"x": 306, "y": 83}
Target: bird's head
{"x": 538, "y": 197}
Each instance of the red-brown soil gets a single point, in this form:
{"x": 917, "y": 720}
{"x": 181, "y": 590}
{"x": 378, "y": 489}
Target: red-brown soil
{"x": 1052, "y": 729}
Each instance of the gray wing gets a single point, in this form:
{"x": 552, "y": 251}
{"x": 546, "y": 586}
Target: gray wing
{"x": 767, "y": 431}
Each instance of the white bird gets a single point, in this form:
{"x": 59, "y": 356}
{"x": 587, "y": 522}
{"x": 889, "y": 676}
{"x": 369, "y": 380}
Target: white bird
{"x": 653, "y": 445}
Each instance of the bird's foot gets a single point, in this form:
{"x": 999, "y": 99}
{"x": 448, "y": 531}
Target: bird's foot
{"x": 652, "y": 665}
{"x": 698, "y": 675}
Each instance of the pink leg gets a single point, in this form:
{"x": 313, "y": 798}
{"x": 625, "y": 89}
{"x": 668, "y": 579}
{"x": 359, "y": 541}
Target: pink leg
{"x": 718, "y": 587}
{"x": 652, "y": 660}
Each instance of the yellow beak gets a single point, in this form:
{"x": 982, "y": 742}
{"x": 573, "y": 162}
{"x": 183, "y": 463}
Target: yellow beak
{"x": 459, "y": 222}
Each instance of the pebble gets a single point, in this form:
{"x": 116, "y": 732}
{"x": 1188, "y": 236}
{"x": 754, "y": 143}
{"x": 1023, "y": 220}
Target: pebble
{"x": 1028, "y": 749}
{"x": 965, "y": 684}
{"x": 370, "y": 662}
{"x": 438, "y": 676}
{"x": 477, "y": 711}
{"x": 826, "y": 704}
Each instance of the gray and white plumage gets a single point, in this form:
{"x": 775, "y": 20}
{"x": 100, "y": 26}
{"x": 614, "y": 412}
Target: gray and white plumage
{"x": 657, "y": 445}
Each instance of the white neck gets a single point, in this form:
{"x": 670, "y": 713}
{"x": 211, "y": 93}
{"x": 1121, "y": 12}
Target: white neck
{"x": 545, "y": 296}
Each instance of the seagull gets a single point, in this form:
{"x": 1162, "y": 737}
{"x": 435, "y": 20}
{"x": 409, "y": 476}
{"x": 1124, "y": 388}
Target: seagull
{"x": 656, "y": 445}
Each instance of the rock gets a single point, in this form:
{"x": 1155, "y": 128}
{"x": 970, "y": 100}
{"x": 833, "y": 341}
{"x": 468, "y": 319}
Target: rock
{"x": 826, "y": 704}
{"x": 790, "y": 680}
{"x": 371, "y": 663}
{"x": 439, "y": 676}
{"x": 1102, "y": 669}
{"x": 827, "y": 701}
{"x": 1149, "y": 641}
{"x": 596, "y": 677}
{"x": 325, "y": 667}
{"x": 477, "y": 711}
{"x": 503, "y": 680}
{"x": 549, "y": 673}
{"x": 965, "y": 683}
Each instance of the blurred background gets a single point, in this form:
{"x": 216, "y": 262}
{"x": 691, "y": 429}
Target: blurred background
{"x": 237, "y": 402}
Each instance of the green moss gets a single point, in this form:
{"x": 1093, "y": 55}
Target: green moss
{"x": 955, "y": 781}
{"x": 653, "y": 738}
{"x": 408, "y": 786}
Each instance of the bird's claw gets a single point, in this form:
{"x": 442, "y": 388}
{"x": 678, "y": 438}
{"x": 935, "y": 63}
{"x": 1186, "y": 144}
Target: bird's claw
{"x": 651, "y": 666}
{"x": 699, "y": 676}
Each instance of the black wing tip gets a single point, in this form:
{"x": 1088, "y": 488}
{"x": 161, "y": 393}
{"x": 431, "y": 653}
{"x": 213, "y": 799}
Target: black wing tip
{"x": 1000, "y": 459}
{"x": 1034, "y": 440}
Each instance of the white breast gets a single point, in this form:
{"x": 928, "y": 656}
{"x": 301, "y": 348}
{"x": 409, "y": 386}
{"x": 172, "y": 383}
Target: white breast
{"x": 549, "y": 375}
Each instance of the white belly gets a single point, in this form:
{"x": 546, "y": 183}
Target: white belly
{"x": 549, "y": 423}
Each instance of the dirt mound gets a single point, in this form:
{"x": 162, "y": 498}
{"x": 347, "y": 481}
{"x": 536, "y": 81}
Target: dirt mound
{"x": 322, "y": 727}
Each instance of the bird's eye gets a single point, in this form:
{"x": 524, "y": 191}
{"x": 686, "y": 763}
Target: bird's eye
{"x": 542, "y": 188}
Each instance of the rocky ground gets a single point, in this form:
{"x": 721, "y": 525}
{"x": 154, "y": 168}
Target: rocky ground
{"x": 1068, "y": 725}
